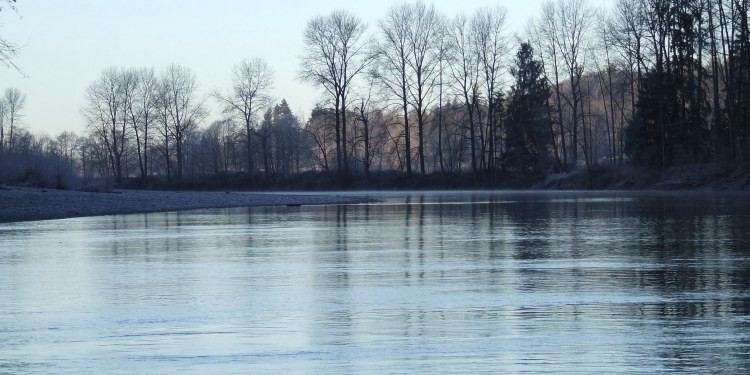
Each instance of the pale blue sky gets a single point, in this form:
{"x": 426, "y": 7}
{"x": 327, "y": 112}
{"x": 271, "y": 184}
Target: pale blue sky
{"x": 68, "y": 43}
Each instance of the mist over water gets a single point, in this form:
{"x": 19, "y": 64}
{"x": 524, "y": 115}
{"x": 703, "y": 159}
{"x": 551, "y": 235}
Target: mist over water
{"x": 464, "y": 282}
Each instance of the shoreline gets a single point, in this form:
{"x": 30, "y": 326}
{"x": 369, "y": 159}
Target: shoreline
{"x": 19, "y": 204}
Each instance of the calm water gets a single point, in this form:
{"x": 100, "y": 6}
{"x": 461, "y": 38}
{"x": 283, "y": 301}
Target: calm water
{"x": 447, "y": 283}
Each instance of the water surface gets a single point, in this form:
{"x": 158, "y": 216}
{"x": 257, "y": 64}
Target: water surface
{"x": 430, "y": 283}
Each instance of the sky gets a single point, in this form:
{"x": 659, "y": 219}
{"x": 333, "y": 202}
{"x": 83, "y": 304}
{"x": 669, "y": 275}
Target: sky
{"x": 67, "y": 44}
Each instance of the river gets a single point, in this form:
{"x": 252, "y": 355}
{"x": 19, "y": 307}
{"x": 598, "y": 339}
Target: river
{"x": 430, "y": 282}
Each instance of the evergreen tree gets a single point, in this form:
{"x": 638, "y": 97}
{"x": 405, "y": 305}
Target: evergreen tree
{"x": 738, "y": 90}
{"x": 646, "y": 138}
{"x": 528, "y": 138}
{"x": 670, "y": 123}
{"x": 286, "y": 140}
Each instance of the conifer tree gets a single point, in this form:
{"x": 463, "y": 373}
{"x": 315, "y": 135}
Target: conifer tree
{"x": 528, "y": 137}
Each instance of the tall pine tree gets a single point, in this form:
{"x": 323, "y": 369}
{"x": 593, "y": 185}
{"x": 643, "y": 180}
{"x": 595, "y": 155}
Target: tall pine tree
{"x": 670, "y": 125}
{"x": 528, "y": 136}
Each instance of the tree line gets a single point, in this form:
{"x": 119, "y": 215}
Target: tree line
{"x": 652, "y": 83}
{"x": 145, "y": 124}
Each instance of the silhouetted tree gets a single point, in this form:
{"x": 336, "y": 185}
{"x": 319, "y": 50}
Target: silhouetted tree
{"x": 364, "y": 112}
{"x": 14, "y": 103}
{"x": 335, "y": 53}
{"x": 424, "y": 36}
{"x": 647, "y": 140}
{"x": 661, "y": 82}
{"x": 131, "y": 82}
{"x": 220, "y": 143}
{"x": 669, "y": 125}
{"x": 392, "y": 68}
{"x": 162, "y": 105}
{"x": 491, "y": 45}
{"x": 528, "y": 139}
{"x": 285, "y": 135}
{"x": 735, "y": 62}
{"x": 252, "y": 81}
{"x": 544, "y": 33}
{"x": 184, "y": 109}
{"x": 3, "y": 114}
{"x": 321, "y": 130}
{"x": 146, "y": 100}
{"x": 464, "y": 70}
{"x": 106, "y": 114}
{"x": 8, "y": 49}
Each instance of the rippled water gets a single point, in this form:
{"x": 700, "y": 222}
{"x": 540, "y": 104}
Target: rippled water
{"x": 424, "y": 283}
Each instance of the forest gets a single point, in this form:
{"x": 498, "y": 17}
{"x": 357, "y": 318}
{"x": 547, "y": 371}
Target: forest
{"x": 421, "y": 96}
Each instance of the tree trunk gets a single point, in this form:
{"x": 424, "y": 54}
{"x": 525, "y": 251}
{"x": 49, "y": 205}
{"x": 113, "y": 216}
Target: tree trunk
{"x": 407, "y": 132}
{"x": 344, "y": 152}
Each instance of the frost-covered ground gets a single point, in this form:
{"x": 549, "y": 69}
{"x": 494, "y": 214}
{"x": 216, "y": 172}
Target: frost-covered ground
{"x": 24, "y": 204}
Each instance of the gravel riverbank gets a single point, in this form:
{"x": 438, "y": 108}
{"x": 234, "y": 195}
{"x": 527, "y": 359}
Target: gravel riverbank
{"x": 25, "y": 204}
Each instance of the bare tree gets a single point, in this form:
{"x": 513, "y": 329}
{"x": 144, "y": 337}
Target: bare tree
{"x": 319, "y": 128}
{"x": 2, "y": 125}
{"x": 139, "y": 89}
{"x": 626, "y": 36}
{"x": 565, "y": 25}
{"x": 15, "y": 101}
{"x": 65, "y": 143}
{"x": 107, "y": 119}
{"x": 628, "y": 33}
{"x": 491, "y": 44}
{"x": 543, "y": 33}
{"x": 264, "y": 134}
{"x": 364, "y": 115}
{"x": 335, "y": 53}
{"x": 8, "y": 49}
{"x": 218, "y": 140}
{"x": 425, "y": 34}
{"x": 185, "y": 110}
{"x": 129, "y": 81}
{"x": 146, "y": 99}
{"x": 392, "y": 73}
{"x": 616, "y": 58}
{"x": 443, "y": 53}
{"x": 409, "y": 55}
{"x": 576, "y": 19}
{"x": 252, "y": 81}
{"x": 464, "y": 71}
{"x": 162, "y": 107}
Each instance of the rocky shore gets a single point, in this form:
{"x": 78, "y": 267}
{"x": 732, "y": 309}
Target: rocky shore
{"x": 25, "y": 204}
